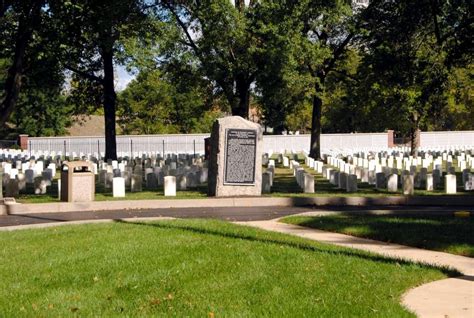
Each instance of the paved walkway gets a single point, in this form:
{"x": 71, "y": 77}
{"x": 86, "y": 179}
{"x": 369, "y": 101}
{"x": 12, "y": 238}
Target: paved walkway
{"x": 244, "y": 213}
{"x": 453, "y": 297}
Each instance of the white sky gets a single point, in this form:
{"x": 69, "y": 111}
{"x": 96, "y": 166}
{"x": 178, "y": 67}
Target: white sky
{"x": 122, "y": 78}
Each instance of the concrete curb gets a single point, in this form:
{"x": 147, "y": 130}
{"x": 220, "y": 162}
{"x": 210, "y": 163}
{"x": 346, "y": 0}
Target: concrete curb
{"x": 236, "y": 202}
{"x": 81, "y": 222}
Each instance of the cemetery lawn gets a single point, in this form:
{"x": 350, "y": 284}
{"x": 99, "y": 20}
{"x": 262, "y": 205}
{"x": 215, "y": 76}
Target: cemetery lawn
{"x": 201, "y": 268}
{"x": 103, "y": 194}
{"x": 440, "y": 233}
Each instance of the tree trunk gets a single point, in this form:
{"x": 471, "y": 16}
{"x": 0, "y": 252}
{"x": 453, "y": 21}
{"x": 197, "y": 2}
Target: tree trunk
{"x": 26, "y": 26}
{"x": 315, "y": 147}
{"x": 241, "y": 102}
{"x": 414, "y": 141}
{"x": 109, "y": 104}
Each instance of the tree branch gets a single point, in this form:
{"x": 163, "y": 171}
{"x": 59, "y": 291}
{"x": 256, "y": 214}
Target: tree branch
{"x": 184, "y": 27}
{"x": 89, "y": 76}
{"x": 435, "y": 22}
{"x": 349, "y": 76}
{"x": 341, "y": 48}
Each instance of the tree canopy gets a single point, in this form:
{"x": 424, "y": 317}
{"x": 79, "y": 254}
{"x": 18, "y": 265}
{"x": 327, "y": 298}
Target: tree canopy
{"x": 310, "y": 66}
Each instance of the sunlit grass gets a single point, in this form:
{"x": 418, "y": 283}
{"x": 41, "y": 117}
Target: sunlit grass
{"x": 194, "y": 268}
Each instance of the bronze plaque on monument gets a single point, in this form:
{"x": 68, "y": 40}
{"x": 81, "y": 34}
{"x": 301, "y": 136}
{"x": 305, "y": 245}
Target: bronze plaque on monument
{"x": 240, "y": 155}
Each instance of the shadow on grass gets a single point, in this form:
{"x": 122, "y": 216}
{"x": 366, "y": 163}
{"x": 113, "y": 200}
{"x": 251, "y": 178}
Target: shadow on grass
{"x": 301, "y": 246}
{"x": 440, "y": 233}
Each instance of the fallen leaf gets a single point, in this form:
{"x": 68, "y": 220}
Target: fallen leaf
{"x": 155, "y": 301}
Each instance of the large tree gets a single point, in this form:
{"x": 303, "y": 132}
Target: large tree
{"x": 24, "y": 17}
{"x": 314, "y": 38}
{"x": 409, "y": 72}
{"x": 158, "y": 102}
{"x": 218, "y": 33}
{"x": 90, "y": 33}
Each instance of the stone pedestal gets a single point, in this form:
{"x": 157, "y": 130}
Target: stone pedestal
{"x": 235, "y": 167}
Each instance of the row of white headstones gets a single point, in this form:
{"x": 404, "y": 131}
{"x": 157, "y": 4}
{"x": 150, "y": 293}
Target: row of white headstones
{"x": 183, "y": 171}
{"x": 384, "y": 170}
{"x": 180, "y": 172}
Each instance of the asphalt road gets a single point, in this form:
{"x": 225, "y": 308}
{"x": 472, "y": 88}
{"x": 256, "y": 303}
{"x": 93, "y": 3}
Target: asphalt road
{"x": 229, "y": 214}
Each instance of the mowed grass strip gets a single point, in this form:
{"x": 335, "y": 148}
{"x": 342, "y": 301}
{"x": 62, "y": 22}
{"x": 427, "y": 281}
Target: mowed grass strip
{"x": 440, "y": 233}
{"x": 195, "y": 268}
{"x": 103, "y": 194}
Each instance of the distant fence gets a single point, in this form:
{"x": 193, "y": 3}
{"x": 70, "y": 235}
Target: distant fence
{"x": 194, "y": 143}
{"x": 447, "y": 138}
{"x": 277, "y": 143}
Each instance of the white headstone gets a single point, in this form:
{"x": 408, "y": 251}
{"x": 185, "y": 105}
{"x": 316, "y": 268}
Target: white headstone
{"x": 308, "y": 183}
{"x": 392, "y": 183}
{"x": 266, "y": 186}
{"x": 408, "y": 184}
{"x": 450, "y": 183}
{"x": 351, "y": 183}
{"x": 136, "y": 183}
{"x": 429, "y": 182}
{"x": 170, "y": 186}
{"x": 118, "y": 187}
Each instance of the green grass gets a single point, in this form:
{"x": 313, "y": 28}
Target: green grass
{"x": 195, "y": 268}
{"x": 441, "y": 233}
{"x": 103, "y": 194}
